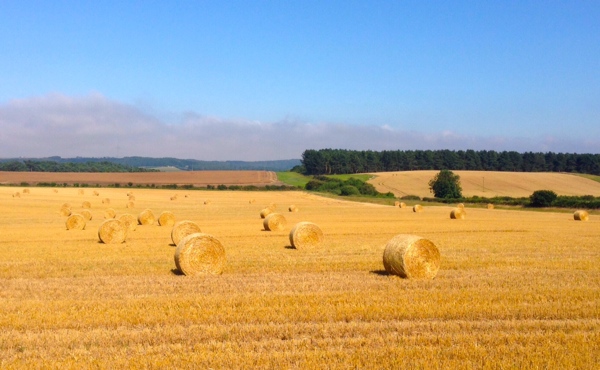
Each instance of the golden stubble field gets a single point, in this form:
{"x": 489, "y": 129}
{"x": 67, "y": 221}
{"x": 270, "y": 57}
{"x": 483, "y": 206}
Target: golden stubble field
{"x": 516, "y": 289}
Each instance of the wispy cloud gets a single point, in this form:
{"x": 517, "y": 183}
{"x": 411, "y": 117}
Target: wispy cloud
{"x": 95, "y": 126}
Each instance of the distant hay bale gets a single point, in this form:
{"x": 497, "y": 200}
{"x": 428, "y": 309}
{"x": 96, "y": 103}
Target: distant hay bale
{"x": 16, "y": 195}
{"x": 251, "y": 201}
{"x": 412, "y": 257}
{"x": 86, "y": 204}
{"x": 86, "y": 214}
{"x": 55, "y": 190}
{"x": 66, "y": 205}
{"x": 182, "y": 229}
{"x": 80, "y": 192}
{"x": 199, "y": 254}
{"x": 131, "y": 198}
{"x": 274, "y": 222}
{"x": 130, "y": 205}
{"x": 207, "y": 201}
{"x": 272, "y": 206}
{"x": 293, "y": 208}
{"x": 96, "y": 193}
{"x": 417, "y": 208}
{"x": 460, "y": 205}
{"x": 306, "y": 235}
{"x": 129, "y": 220}
{"x": 65, "y": 210}
{"x": 396, "y": 204}
{"x": 75, "y": 222}
{"x": 129, "y": 193}
{"x": 105, "y": 201}
{"x": 26, "y": 191}
{"x": 458, "y": 214}
{"x": 402, "y": 205}
{"x": 265, "y": 212}
{"x": 173, "y": 197}
{"x": 581, "y": 215}
{"x": 109, "y": 213}
{"x": 112, "y": 232}
{"x": 166, "y": 218}
{"x": 146, "y": 217}
{"x": 490, "y": 206}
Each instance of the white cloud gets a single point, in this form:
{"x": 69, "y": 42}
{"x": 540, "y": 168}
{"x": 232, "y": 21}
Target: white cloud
{"x": 94, "y": 126}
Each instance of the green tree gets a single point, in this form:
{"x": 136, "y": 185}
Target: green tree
{"x": 542, "y": 198}
{"x": 446, "y": 184}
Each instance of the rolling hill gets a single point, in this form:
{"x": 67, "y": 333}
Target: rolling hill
{"x": 487, "y": 183}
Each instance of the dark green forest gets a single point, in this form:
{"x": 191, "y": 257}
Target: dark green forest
{"x": 341, "y": 161}
{"x": 52, "y": 166}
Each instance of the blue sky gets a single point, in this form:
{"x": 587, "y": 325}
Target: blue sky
{"x": 256, "y": 80}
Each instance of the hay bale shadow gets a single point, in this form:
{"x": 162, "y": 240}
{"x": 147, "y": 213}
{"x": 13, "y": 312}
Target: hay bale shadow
{"x": 177, "y": 272}
{"x": 380, "y": 272}
{"x": 289, "y": 247}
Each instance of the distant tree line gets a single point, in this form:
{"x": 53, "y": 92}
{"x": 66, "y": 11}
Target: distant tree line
{"x": 341, "y": 161}
{"x": 52, "y": 166}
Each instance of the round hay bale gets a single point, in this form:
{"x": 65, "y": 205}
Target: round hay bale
{"x": 129, "y": 193}
{"x": 65, "y": 211}
{"x": 417, "y": 208}
{"x": 293, "y": 208}
{"x": 265, "y": 212}
{"x": 173, "y": 198}
{"x": 412, "y": 257}
{"x": 86, "y": 214}
{"x": 199, "y": 254}
{"x": 306, "y": 235}
{"x": 86, "y": 204}
{"x": 581, "y": 215}
{"x": 130, "y": 205}
{"x": 131, "y": 198}
{"x": 460, "y": 205}
{"x": 490, "y": 206}
{"x": 166, "y": 218}
{"x": 96, "y": 193}
{"x": 274, "y": 222}
{"x": 458, "y": 214}
{"x": 251, "y": 201}
{"x": 66, "y": 205}
{"x": 75, "y": 222}
{"x": 26, "y": 191}
{"x": 17, "y": 195}
{"x": 112, "y": 232}
{"x": 207, "y": 201}
{"x": 396, "y": 204}
{"x": 146, "y": 217}
{"x": 109, "y": 213}
{"x": 80, "y": 192}
{"x": 402, "y": 205}
{"x": 129, "y": 220}
{"x": 105, "y": 201}
{"x": 272, "y": 206}
{"x": 182, "y": 229}
{"x": 55, "y": 190}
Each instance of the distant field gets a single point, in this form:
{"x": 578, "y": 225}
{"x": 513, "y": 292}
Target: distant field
{"x": 196, "y": 178}
{"x": 487, "y": 184}
{"x": 516, "y": 289}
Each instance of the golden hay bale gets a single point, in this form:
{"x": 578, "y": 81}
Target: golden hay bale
{"x": 402, "y": 205}
{"x": 458, "y": 214}
{"x": 86, "y": 214}
{"x": 112, "y": 232}
{"x": 109, "y": 213}
{"x": 272, "y": 206}
{"x": 146, "y": 217}
{"x": 198, "y": 254}
{"x": 130, "y": 205}
{"x": 182, "y": 229}
{"x": 80, "y": 192}
{"x": 129, "y": 220}
{"x": 460, "y": 205}
{"x": 131, "y": 198}
{"x": 16, "y": 195}
{"x": 417, "y": 208}
{"x": 96, "y": 193}
{"x": 105, "y": 201}
{"x": 306, "y": 235}
{"x": 166, "y": 218}
{"x": 207, "y": 201}
{"x": 55, "y": 190}
{"x": 174, "y": 197}
{"x": 26, "y": 191}
{"x": 129, "y": 193}
{"x": 411, "y": 256}
{"x": 581, "y": 215}
{"x": 274, "y": 222}
{"x": 490, "y": 206}
{"x": 396, "y": 204}
{"x": 265, "y": 212}
{"x": 65, "y": 211}
{"x": 75, "y": 222}
{"x": 86, "y": 204}
{"x": 251, "y": 201}
{"x": 293, "y": 208}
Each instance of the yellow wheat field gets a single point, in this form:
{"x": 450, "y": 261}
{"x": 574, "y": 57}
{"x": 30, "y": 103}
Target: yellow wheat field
{"x": 515, "y": 289}
{"x": 487, "y": 184}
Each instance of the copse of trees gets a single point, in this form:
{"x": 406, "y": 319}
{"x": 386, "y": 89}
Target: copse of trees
{"x": 349, "y": 187}
{"x": 446, "y": 184}
{"x": 51, "y": 166}
{"x": 341, "y": 161}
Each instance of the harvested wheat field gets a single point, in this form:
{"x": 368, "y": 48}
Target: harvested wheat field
{"x": 514, "y": 289}
{"x": 487, "y": 183}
